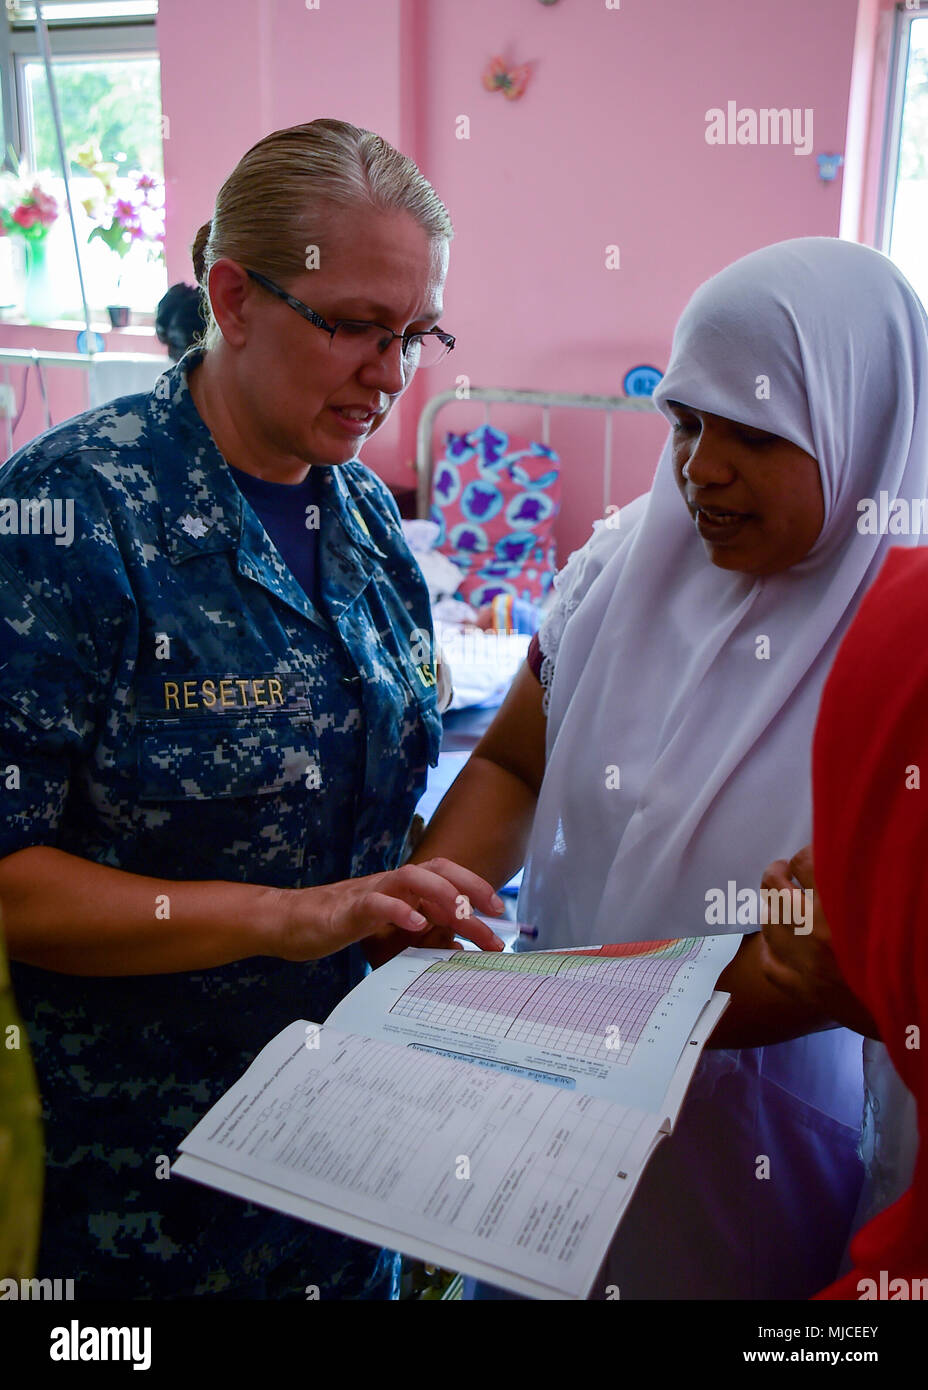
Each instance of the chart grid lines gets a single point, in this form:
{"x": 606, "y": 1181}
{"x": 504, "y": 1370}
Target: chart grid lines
{"x": 589, "y": 1006}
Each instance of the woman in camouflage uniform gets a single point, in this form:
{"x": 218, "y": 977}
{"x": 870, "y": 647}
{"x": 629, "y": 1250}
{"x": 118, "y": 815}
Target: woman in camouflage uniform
{"x": 217, "y": 707}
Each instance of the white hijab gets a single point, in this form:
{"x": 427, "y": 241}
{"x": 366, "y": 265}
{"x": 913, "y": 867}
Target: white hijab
{"x": 656, "y": 671}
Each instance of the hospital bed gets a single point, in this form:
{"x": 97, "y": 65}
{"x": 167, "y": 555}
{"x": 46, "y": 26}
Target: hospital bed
{"x": 484, "y": 664}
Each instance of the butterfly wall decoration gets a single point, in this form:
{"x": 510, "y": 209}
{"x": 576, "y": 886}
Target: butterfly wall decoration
{"x": 498, "y": 76}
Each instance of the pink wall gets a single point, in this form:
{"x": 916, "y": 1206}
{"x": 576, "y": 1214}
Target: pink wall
{"x": 607, "y": 146}
{"x": 277, "y": 64}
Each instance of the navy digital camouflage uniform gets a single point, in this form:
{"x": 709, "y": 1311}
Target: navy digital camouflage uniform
{"x": 177, "y": 707}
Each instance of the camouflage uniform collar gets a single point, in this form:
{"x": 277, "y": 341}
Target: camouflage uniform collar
{"x": 201, "y": 506}
{"x": 337, "y": 496}
{"x": 201, "y": 503}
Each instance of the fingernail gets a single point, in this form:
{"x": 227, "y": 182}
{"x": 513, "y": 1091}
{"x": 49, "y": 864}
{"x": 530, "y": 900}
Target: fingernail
{"x": 418, "y": 920}
{"x": 496, "y": 902}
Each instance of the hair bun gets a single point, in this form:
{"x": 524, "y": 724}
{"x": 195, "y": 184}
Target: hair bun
{"x": 198, "y": 250}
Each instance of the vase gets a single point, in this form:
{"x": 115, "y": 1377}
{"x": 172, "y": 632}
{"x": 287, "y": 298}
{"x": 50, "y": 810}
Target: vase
{"x": 41, "y": 301}
{"x": 12, "y": 275}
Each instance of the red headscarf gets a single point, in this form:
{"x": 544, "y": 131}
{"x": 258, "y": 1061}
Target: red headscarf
{"x": 870, "y": 842}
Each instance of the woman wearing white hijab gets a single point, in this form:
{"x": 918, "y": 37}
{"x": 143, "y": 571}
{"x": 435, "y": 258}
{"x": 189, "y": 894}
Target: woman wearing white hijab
{"x": 687, "y": 650}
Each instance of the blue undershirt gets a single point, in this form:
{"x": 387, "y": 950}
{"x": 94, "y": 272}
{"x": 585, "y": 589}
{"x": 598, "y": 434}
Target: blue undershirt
{"x": 281, "y": 509}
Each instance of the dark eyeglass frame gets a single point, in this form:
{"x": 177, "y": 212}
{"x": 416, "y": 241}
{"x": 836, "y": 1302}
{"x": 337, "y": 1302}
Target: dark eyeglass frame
{"x": 310, "y": 314}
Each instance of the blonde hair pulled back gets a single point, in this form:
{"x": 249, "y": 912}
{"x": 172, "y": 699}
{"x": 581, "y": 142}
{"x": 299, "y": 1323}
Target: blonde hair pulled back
{"x": 277, "y": 199}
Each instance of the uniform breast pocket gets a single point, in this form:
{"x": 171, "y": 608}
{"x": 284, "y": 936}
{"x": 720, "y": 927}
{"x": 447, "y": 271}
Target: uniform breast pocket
{"x": 228, "y": 756}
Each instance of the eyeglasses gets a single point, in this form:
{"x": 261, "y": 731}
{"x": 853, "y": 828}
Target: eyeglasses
{"x": 355, "y": 339}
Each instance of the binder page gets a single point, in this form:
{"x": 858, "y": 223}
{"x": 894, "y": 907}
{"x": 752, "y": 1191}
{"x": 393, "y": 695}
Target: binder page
{"x": 487, "y": 1169}
{"x": 609, "y": 1021}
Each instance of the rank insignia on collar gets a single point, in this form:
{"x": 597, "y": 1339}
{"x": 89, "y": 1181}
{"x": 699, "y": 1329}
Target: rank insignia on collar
{"x": 194, "y": 526}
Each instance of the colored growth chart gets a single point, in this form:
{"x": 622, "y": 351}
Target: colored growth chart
{"x": 593, "y": 1005}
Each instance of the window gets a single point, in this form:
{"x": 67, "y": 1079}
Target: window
{"x": 22, "y": 12}
{"x": 108, "y": 84}
{"x": 905, "y": 197}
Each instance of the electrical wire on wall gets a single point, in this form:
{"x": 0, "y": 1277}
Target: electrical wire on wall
{"x": 46, "y": 404}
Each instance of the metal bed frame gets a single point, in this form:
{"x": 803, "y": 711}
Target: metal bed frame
{"x": 544, "y": 399}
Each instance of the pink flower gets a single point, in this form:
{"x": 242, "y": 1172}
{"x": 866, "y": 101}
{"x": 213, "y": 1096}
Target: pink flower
{"x": 25, "y": 216}
{"x": 125, "y": 212}
{"x": 146, "y": 182}
{"x": 46, "y": 206}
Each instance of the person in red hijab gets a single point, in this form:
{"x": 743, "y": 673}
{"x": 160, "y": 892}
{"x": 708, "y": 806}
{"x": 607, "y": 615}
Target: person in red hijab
{"x": 870, "y": 839}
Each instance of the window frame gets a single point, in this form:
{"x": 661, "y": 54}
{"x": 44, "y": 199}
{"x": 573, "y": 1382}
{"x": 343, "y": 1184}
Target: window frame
{"x": 21, "y": 13}
{"x": 137, "y": 39}
{"x": 79, "y": 41}
{"x": 897, "y": 69}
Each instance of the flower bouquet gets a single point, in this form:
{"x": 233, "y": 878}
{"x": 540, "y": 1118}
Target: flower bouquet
{"x": 128, "y": 212}
{"x": 27, "y": 211}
